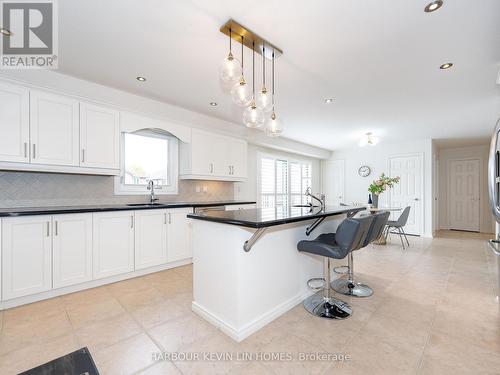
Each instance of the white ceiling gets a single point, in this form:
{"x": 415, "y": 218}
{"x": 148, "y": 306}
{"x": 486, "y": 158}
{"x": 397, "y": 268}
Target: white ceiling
{"x": 378, "y": 59}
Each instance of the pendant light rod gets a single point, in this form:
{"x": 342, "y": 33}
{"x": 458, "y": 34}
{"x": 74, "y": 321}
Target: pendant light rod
{"x": 273, "y": 57}
{"x": 264, "y": 65}
{"x": 235, "y": 31}
{"x": 230, "y": 39}
{"x": 242, "y": 72}
{"x": 253, "y": 70}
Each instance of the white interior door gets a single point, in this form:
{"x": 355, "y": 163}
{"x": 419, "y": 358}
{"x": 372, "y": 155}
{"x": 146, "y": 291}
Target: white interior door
{"x": 409, "y": 191}
{"x": 463, "y": 190}
{"x": 333, "y": 182}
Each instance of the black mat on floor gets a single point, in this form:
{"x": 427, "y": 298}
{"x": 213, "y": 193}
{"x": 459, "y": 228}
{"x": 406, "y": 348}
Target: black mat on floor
{"x": 76, "y": 363}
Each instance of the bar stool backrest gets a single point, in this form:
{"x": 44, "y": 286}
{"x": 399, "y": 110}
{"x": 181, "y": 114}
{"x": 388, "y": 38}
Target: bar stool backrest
{"x": 352, "y": 233}
{"x": 378, "y": 224}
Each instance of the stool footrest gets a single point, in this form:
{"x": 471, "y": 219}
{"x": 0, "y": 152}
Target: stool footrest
{"x": 316, "y": 283}
{"x": 343, "y": 272}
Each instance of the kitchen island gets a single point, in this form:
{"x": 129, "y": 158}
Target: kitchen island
{"x": 246, "y": 267}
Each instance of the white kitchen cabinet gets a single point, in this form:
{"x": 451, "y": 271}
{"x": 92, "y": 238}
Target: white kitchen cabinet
{"x": 14, "y": 123}
{"x": 26, "y": 256}
{"x": 113, "y": 243}
{"x": 211, "y": 156}
{"x": 71, "y": 249}
{"x": 150, "y": 238}
{"x": 54, "y": 129}
{"x": 178, "y": 234}
{"x": 99, "y": 137}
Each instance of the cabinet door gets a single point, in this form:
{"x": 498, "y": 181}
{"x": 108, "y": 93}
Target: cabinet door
{"x": 178, "y": 234}
{"x": 54, "y": 129}
{"x": 113, "y": 243}
{"x": 26, "y": 256}
{"x": 202, "y": 149}
{"x": 237, "y": 158}
{"x": 71, "y": 249}
{"x": 150, "y": 238}
{"x": 99, "y": 137}
{"x": 14, "y": 123}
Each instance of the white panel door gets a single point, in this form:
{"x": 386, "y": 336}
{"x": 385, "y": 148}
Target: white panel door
{"x": 54, "y": 129}
{"x": 26, "y": 256}
{"x": 14, "y": 123}
{"x": 150, "y": 238}
{"x": 72, "y": 249}
{"x": 333, "y": 182}
{"x": 99, "y": 137}
{"x": 113, "y": 243}
{"x": 179, "y": 234}
{"x": 409, "y": 191}
{"x": 464, "y": 194}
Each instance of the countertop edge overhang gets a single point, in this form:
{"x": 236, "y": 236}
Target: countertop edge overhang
{"x": 31, "y": 211}
{"x": 271, "y": 223}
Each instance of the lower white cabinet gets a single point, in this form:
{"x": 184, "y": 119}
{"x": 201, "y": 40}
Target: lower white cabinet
{"x": 71, "y": 249}
{"x": 178, "y": 234}
{"x": 150, "y": 238}
{"x": 26, "y": 256}
{"x": 113, "y": 243}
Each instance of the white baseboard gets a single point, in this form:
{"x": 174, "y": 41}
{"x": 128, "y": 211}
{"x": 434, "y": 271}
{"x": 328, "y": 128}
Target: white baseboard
{"x": 90, "y": 284}
{"x": 242, "y": 333}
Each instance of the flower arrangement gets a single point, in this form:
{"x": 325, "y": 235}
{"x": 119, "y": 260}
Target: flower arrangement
{"x": 384, "y": 182}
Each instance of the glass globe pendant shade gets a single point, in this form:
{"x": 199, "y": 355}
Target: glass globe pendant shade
{"x": 241, "y": 93}
{"x": 230, "y": 70}
{"x": 274, "y": 127}
{"x": 253, "y": 117}
{"x": 264, "y": 100}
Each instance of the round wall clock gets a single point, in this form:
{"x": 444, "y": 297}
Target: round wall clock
{"x": 364, "y": 171}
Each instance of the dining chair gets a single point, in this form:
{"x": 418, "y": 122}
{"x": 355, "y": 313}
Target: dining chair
{"x": 398, "y": 227}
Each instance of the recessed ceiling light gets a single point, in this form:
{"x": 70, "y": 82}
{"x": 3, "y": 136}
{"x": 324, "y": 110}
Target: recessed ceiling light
{"x": 328, "y": 100}
{"x": 141, "y": 79}
{"x": 5, "y": 32}
{"x": 435, "y": 5}
{"x": 213, "y": 104}
{"x": 446, "y": 66}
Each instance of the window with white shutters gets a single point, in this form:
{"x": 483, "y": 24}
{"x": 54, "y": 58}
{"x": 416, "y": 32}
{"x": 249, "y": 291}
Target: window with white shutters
{"x": 283, "y": 182}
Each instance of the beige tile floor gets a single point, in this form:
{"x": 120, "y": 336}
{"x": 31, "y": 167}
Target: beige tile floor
{"x": 434, "y": 311}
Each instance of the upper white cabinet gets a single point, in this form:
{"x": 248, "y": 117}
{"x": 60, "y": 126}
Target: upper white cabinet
{"x": 178, "y": 234}
{"x": 99, "y": 137}
{"x": 14, "y": 123}
{"x": 150, "y": 238}
{"x": 211, "y": 156}
{"x": 72, "y": 249}
{"x": 26, "y": 256}
{"x": 113, "y": 243}
{"x": 54, "y": 129}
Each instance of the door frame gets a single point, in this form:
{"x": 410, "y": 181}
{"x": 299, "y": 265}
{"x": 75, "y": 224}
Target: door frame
{"x": 420, "y": 155}
{"x": 448, "y": 183}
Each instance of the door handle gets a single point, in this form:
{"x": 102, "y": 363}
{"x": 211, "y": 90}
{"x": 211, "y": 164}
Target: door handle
{"x": 132, "y": 221}
{"x": 56, "y": 228}
{"x": 211, "y": 167}
{"x": 48, "y": 228}
{"x": 83, "y": 155}
{"x": 165, "y": 218}
{"x": 34, "y": 150}
{"x": 416, "y": 199}
{"x": 229, "y": 170}
{"x": 25, "y": 149}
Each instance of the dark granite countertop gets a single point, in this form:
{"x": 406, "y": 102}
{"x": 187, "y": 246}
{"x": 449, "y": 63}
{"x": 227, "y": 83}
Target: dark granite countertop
{"x": 267, "y": 217}
{"x": 26, "y": 211}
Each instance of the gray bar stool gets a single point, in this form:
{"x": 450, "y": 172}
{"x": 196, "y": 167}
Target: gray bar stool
{"x": 349, "y": 287}
{"x": 350, "y": 236}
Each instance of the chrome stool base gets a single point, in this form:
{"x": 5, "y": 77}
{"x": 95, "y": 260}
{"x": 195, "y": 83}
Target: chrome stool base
{"x": 328, "y": 308}
{"x": 350, "y": 288}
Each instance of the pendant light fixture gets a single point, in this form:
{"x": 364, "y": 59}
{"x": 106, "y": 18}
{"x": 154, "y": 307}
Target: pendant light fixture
{"x": 230, "y": 69}
{"x": 263, "y": 99}
{"x": 240, "y": 92}
{"x": 274, "y": 127}
{"x": 253, "y": 117}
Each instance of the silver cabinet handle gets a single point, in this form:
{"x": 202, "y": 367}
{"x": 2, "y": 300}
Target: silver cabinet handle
{"x": 169, "y": 218}
{"x": 211, "y": 167}
{"x": 165, "y": 218}
{"x": 83, "y": 155}
{"x": 34, "y": 150}
{"x": 25, "y": 149}
{"x": 132, "y": 221}
{"x": 56, "y": 228}
{"x": 48, "y": 228}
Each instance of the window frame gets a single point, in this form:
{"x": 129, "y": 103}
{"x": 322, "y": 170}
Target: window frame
{"x": 173, "y": 167}
{"x": 289, "y": 160}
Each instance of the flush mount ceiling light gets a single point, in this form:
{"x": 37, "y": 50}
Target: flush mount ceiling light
{"x": 368, "y": 140}
{"x": 141, "y": 79}
{"x": 257, "y": 103}
{"x": 432, "y": 7}
{"x": 5, "y": 32}
{"x": 446, "y": 66}
{"x": 213, "y": 104}
{"x": 328, "y": 100}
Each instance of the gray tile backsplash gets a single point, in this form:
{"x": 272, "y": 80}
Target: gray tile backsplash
{"x": 27, "y": 189}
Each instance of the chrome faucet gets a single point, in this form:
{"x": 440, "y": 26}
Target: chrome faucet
{"x": 151, "y": 186}
{"x": 320, "y": 200}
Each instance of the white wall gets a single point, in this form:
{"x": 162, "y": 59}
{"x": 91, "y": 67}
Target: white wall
{"x": 377, "y": 158}
{"x": 248, "y": 190}
{"x": 476, "y": 152}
